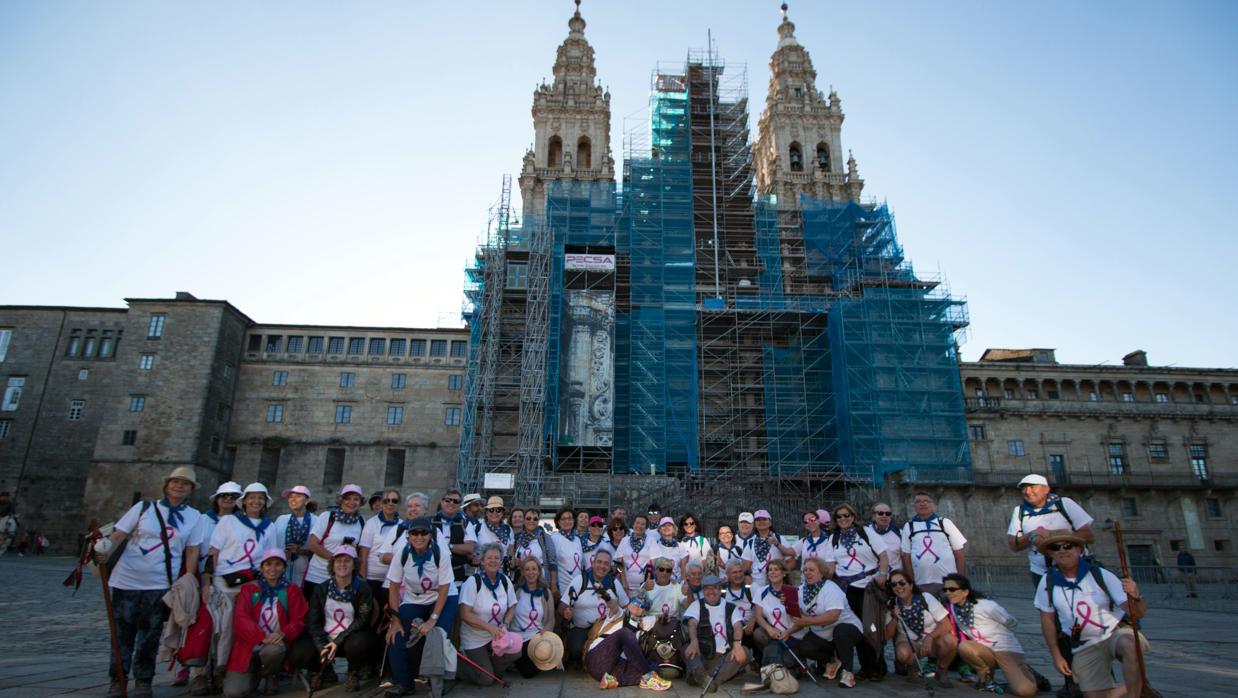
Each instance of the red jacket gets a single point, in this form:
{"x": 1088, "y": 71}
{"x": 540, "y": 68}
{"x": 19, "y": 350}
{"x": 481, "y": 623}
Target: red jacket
{"x": 245, "y": 623}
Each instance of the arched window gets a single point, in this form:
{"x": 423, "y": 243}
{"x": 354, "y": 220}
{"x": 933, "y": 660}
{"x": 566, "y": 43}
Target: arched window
{"x": 823, "y": 157}
{"x": 584, "y": 154}
{"x": 796, "y": 158}
{"x": 554, "y": 152}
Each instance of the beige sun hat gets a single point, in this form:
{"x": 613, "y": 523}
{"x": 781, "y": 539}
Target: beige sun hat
{"x": 1060, "y": 535}
{"x": 546, "y": 651}
{"x": 183, "y": 472}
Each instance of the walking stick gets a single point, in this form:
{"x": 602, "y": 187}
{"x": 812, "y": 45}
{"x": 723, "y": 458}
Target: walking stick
{"x": 915, "y": 660}
{"x": 1148, "y": 691}
{"x": 803, "y": 667}
{"x": 478, "y": 667}
{"x": 710, "y": 682}
{"x": 95, "y": 535}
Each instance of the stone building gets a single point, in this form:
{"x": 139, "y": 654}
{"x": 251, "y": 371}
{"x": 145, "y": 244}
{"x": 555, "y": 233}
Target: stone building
{"x": 100, "y": 403}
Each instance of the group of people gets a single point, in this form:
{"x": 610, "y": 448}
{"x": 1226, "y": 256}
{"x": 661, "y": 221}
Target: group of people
{"x": 476, "y": 589}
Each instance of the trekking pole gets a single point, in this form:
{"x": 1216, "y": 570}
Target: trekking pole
{"x": 95, "y": 535}
{"x": 478, "y": 667}
{"x": 915, "y": 660}
{"x": 1148, "y": 691}
{"x": 803, "y": 667}
{"x": 714, "y": 675}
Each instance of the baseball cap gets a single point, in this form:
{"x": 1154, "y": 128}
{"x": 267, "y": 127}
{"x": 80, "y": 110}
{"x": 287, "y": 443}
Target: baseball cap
{"x": 298, "y": 489}
{"x": 1034, "y": 480}
{"x": 666, "y": 520}
{"x": 762, "y": 514}
{"x": 745, "y": 517}
{"x": 421, "y": 523}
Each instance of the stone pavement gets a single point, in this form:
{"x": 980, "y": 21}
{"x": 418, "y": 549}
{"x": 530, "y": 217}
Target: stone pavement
{"x": 55, "y": 643}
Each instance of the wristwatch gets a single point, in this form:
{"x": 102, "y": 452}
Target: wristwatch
{"x": 433, "y": 616}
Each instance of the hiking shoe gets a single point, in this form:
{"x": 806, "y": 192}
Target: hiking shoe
{"x": 397, "y": 691}
{"x": 847, "y": 680}
{"x": 1042, "y": 682}
{"x": 182, "y": 677}
{"x": 199, "y": 685}
{"x": 967, "y": 674}
{"x": 943, "y": 679}
{"x": 607, "y": 682}
{"x": 831, "y": 670}
{"x": 991, "y": 686}
{"x": 142, "y": 689}
{"x": 113, "y": 690}
{"x": 653, "y": 682}
{"x": 1069, "y": 690}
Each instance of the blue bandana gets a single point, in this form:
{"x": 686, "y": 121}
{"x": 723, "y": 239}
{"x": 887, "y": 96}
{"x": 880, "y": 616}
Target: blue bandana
{"x": 1061, "y": 581}
{"x": 258, "y": 528}
{"x": 298, "y": 529}
{"x": 175, "y": 517}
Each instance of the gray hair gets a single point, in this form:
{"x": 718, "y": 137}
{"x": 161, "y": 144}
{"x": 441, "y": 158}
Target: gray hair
{"x": 425, "y": 500}
{"x": 734, "y": 563}
{"x": 694, "y": 565}
{"x": 487, "y": 548}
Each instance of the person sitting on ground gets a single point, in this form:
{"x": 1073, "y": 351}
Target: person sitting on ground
{"x": 584, "y": 599}
{"x": 534, "y": 612}
{"x": 268, "y": 616}
{"x": 917, "y": 623}
{"x": 658, "y": 596}
{"x": 835, "y": 630}
{"x": 715, "y": 638}
{"x": 1088, "y": 604}
{"x": 487, "y": 607}
{"x": 612, "y": 654}
{"x": 986, "y": 639}
{"x": 771, "y": 609}
{"x": 339, "y": 620}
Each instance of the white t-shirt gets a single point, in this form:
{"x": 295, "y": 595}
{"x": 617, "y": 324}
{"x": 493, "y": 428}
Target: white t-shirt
{"x": 860, "y": 558}
{"x": 372, "y": 535}
{"x": 337, "y": 616}
{"x": 931, "y": 545}
{"x": 532, "y": 613}
{"x": 698, "y": 548}
{"x": 420, "y": 587}
{"x": 725, "y": 555}
{"x": 674, "y": 553}
{"x": 394, "y": 541}
{"x": 992, "y": 626}
{"x": 1050, "y": 520}
{"x": 489, "y": 604}
{"x": 774, "y": 609}
{"x": 603, "y": 544}
{"x": 742, "y": 599}
{"x": 1087, "y": 606}
{"x": 142, "y": 566}
{"x": 893, "y": 543}
{"x": 633, "y": 562}
{"x": 830, "y": 598}
{"x": 665, "y": 600}
{"x": 482, "y": 535}
{"x": 590, "y": 606}
{"x": 206, "y": 528}
{"x": 568, "y": 556}
{"x": 932, "y": 614}
{"x": 723, "y": 628}
{"x": 818, "y": 547}
{"x": 339, "y": 531}
{"x": 268, "y": 618}
{"x": 240, "y": 547}
{"x": 758, "y": 566}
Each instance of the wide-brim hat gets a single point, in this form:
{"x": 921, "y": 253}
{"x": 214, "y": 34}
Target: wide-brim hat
{"x": 183, "y": 472}
{"x": 495, "y": 502}
{"x": 1061, "y": 535}
{"x": 259, "y": 488}
{"x": 228, "y": 487}
{"x": 470, "y": 498}
{"x": 546, "y": 651}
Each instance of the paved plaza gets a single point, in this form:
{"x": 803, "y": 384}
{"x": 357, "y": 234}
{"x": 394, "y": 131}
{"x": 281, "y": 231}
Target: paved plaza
{"x": 55, "y": 643}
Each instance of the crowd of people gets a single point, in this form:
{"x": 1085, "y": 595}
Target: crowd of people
{"x": 474, "y": 590}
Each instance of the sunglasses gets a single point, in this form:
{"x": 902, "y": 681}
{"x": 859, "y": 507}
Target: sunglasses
{"x": 451, "y": 500}
{"x": 668, "y": 570}
{"x": 689, "y": 523}
{"x": 899, "y": 583}
{"x": 391, "y": 501}
{"x": 844, "y": 515}
{"x": 530, "y": 517}
{"x": 882, "y": 513}
{"x": 495, "y": 509}
{"x": 595, "y": 525}
{"x": 418, "y": 533}
{"x": 810, "y": 520}
{"x": 228, "y": 496}
{"x": 1054, "y": 547}
{"x": 951, "y": 590}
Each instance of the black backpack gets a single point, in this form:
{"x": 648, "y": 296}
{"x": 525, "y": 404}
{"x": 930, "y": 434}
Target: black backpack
{"x": 1059, "y": 508}
{"x": 705, "y": 634}
{"x": 502, "y": 581}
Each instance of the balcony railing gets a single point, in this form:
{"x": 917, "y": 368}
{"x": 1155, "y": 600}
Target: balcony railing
{"x": 1094, "y": 407}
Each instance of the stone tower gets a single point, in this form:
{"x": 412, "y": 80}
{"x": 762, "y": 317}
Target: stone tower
{"x": 799, "y": 136}
{"x": 571, "y": 123}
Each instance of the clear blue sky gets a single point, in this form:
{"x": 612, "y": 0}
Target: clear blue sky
{"x": 1070, "y": 166}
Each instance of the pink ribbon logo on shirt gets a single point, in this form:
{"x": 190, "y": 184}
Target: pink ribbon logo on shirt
{"x": 426, "y": 584}
{"x": 928, "y": 548}
{"x": 495, "y": 610}
{"x": 171, "y": 533}
{"x": 247, "y": 553}
{"x": 666, "y": 609}
{"x": 1085, "y": 614}
{"x": 575, "y": 561}
{"x": 267, "y": 618}
{"x": 777, "y": 613}
{"x": 532, "y": 624}
{"x": 853, "y": 558}
{"x": 338, "y": 617}
{"x": 720, "y": 631}
{"x": 601, "y": 610}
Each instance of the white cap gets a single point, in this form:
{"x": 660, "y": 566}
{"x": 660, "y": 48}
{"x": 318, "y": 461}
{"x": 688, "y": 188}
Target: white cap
{"x": 1034, "y": 480}
{"x": 228, "y": 487}
{"x": 257, "y": 487}
{"x": 745, "y": 517}
{"x": 470, "y": 498}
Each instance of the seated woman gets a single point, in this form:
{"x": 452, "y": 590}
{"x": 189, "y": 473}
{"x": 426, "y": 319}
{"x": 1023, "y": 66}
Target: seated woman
{"x": 986, "y": 640}
{"x": 487, "y": 606}
{"x": 771, "y": 607}
{"x": 917, "y": 623}
{"x": 834, "y": 629}
{"x": 269, "y": 615}
{"x": 535, "y": 612}
{"x": 340, "y": 620}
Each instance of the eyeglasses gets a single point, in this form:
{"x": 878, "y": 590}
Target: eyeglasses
{"x": 668, "y": 570}
{"x": 450, "y": 500}
{"x": 530, "y": 517}
{"x": 391, "y": 501}
{"x": 595, "y": 525}
{"x": 899, "y": 583}
{"x": 492, "y": 510}
{"x": 844, "y": 515}
{"x": 1054, "y": 547}
{"x": 689, "y": 523}
{"x": 951, "y": 590}
{"x": 882, "y": 513}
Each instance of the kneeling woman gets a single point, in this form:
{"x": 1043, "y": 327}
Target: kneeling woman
{"x": 834, "y": 630}
{"x": 487, "y": 605}
{"x": 772, "y": 606}
{"x": 986, "y": 640}
{"x": 269, "y": 616}
{"x": 535, "y": 612}
{"x": 339, "y": 621}
{"x": 917, "y": 623}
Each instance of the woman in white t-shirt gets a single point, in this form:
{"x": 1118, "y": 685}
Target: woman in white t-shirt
{"x": 292, "y": 532}
{"x": 918, "y": 625}
{"x": 377, "y": 528}
{"x": 567, "y": 552}
{"x": 667, "y": 546}
{"x": 692, "y": 538}
{"x": 331, "y": 530}
{"x": 487, "y": 607}
{"x": 338, "y": 622}
{"x": 237, "y": 546}
{"x": 856, "y": 560}
{"x": 764, "y": 547}
{"x": 771, "y": 606}
{"x": 418, "y": 582}
{"x": 631, "y": 555}
{"x": 727, "y": 548}
{"x": 535, "y": 612}
{"x": 834, "y": 631}
{"x": 986, "y": 638}
{"x": 595, "y": 540}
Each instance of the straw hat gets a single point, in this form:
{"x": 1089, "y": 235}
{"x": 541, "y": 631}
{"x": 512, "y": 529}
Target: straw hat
{"x": 1061, "y": 535}
{"x": 495, "y": 502}
{"x": 183, "y": 472}
{"x": 546, "y": 651}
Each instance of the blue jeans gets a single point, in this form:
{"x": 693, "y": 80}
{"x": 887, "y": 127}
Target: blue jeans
{"x": 406, "y": 662}
{"x": 139, "y": 623}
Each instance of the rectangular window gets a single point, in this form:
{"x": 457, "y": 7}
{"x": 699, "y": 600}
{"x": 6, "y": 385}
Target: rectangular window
{"x": 274, "y": 342}
{"x": 75, "y": 345}
{"x": 129, "y": 437}
{"x": 227, "y": 370}
{"x": 5, "y": 425}
{"x": 378, "y": 346}
{"x": 155, "y": 329}
{"x": 1157, "y": 451}
{"x": 1175, "y": 545}
{"x": 356, "y": 345}
{"x": 5, "y": 337}
{"x": 335, "y": 345}
{"x": 1212, "y": 505}
{"x": 255, "y": 342}
{"x": 12, "y": 393}
{"x": 1128, "y": 397}
{"x": 1053, "y": 394}
{"x": 1220, "y": 545}
{"x": 1199, "y": 460}
{"x": 398, "y": 347}
{"x": 105, "y": 346}
{"x": 1093, "y": 396}
{"x": 315, "y": 345}
{"x": 275, "y": 412}
{"x": 268, "y": 465}
{"x": 438, "y": 347}
{"x": 83, "y": 374}
{"x": 1130, "y": 507}
{"x": 343, "y": 414}
{"x": 76, "y": 407}
{"x": 1161, "y": 397}
{"x": 394, "y": 476}
{"x": 395, "y": 415}
{"x": 459, "y": 348}
{"x": 455, "y": 381}
{"x": 417, "y": 347}
{"x": 279, "y": 378}
{"x": 977, "y": 432}
{"x": 1015, "y": 447}
{"x": 1057, "y": 461}
{"x": 1117, "y": 459}
{"x": 216, "y": 445}
{"x": 137, "y": 403}
{"x": 333, "y": 473}
{"x": 1033, "y": 395}
{"x": 346, "y": 379}
{"x": 295, "y": 343}
{"x": 517, "y": 275}
{"x": 451, "y": 417}
{"x": 1008, "y": 393}
{"x": 89, "y": 351}
{"x": 398, "y": 380}
{"x": 146, "y": 362}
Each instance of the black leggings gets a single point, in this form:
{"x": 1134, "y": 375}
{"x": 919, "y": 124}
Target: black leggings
{"x": 870, "y": 661}
{"x": 847, "y": 639}
{"x": 359, "y": 649}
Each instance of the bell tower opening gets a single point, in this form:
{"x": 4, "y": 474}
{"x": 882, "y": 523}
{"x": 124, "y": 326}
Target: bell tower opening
{"x": 584, "y": 153}
{"x": 554, "y": 152}
{"x": 796, "y": 157}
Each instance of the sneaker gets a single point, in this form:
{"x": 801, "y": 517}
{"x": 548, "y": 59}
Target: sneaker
{"x": 926, "y": 667}
{"x": 847, "y": 680}
{"x": 831, "y": 669}
{"x": 1069, "y": 690}
{"x": 967, "y": 674}
{"x": 609, "y": 681}
{"x": 199, "y": 685}
{"x": 990, "y": 686}
{"x": 397, "y": 691}
{"x": 653, "y": 682}
{"x": 182, "y": 677}
{"x": 142, "y": 689}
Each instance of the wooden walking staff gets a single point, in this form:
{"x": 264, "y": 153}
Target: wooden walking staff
{"x": 92, "y": 536}
{"x": 1148, "y": 691}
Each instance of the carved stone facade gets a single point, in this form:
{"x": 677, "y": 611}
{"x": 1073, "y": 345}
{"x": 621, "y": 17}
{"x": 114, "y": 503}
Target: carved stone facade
{"x": 571, "y": 123}
{"x": 799, "y": 136}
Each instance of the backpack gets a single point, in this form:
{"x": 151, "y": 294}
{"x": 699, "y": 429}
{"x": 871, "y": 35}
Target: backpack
{"x": 705, "y": 634}
{"x": 502, "y": 580}
{"x": 281, "y": 595}
{"x": 941, "y": 527}
{"x": 1060, "y": 508}
{"x": 859, "y": 529}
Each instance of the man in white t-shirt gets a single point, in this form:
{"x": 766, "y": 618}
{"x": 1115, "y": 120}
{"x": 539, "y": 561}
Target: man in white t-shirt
{"x": 587, "y": 597}
{"x": 715, "y": 637}
{"x": 1040, "y": 512}
{"x": 931, "y": 546}
{"x": 419, "y": 579}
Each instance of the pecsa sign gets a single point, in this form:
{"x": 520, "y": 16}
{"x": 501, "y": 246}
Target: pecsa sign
{"x": 589, "y": 262}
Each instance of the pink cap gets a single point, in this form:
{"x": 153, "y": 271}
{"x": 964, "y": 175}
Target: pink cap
{"x": 761, "y": 514}
{"x": 344, "y": 550}
{"x": 298, "y": 489}
{"x": 665, "y": 520}
{"x": 823, "y": 516}
{"x": 352, "y": 489}
{"x": 274, "y": 553}
{"x": 597, "y": 519}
